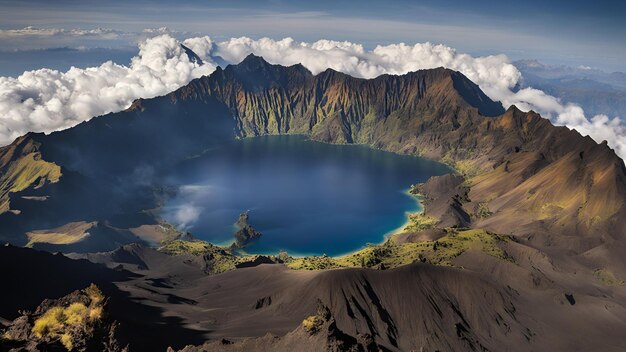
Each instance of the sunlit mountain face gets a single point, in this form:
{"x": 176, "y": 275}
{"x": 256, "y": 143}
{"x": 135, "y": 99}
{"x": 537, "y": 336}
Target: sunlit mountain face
{"x": 271, "y": 176}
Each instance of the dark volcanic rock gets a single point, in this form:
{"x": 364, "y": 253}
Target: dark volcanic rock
{"x": 80, "y": 324}
{"x": 258, "y": 260}
{"x": 245, "y": 232}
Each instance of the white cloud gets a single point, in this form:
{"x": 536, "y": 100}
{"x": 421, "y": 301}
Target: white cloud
{"x": 599, "y": 127}
{"x": 186, "y": 215}
{"x": 46, "y": 100}
{"x": 36, "y": 38}
{"x": 30, "y": 31}
{"x": 186, "y": 212}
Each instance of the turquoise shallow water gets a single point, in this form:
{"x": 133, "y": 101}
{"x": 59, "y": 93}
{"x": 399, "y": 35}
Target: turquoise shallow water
{"x": 305, "y": 197}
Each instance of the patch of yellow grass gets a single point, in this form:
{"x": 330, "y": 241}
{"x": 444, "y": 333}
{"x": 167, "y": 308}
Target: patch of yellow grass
{"x": 420, "y": 222}
{"x": 60, "y": 323}
{"x": 94, "y": 294}
{"x": 66, "y": 340}
{"x": 312, "y": 324}
{"x": 606, "y": 277}
{"x": 76, "y": 314}
{"x": 95, "y": 313}
{"x": 391, "y": 255}
{"x": 23, "y": 173}
{"x": 72, "y": 232}
{"x": 51, "y": 323}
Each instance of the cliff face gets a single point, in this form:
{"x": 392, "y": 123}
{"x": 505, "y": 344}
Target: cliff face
{"x": 528, "y": 177}
{"x": 334, "y": 107}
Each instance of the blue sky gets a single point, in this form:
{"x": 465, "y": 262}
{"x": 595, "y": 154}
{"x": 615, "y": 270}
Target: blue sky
{"x": 590, "y": 33}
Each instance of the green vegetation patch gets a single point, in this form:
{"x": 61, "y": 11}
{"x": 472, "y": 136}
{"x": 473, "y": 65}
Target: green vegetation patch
{"x": 312, "y": 324}
{"x": 606, "y": 277}
{"x": 24, "y": 173}
{"x": 387, "y": 255}
{"x": 197, "y": 247}
{"x": 483, "y": 211}
{"x": 415, "y": 190}
{"x": 391, "y": 255}
{"x": 314, "y": 263}
{"x": 466, "y": 167}
{"x": 219, "y": 259}
{"x": 420, "y": 222}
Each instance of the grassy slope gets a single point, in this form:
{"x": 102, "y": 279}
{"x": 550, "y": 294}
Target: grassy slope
{"x": 219, "y": 259}
{"x": 66, "y": 234}
{"x": 388, "y": 255}
{"x": 23, "y": 173}
{"x": 391, "y": 254}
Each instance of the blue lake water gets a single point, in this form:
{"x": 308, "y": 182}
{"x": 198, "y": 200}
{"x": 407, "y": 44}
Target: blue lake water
{"x": 305, "y": 197}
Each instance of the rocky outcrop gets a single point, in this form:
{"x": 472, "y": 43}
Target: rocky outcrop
{"x": 245, "y": 232}
{"x": 443, "y": 198}
{"x": 29, "y": 276}
{"x": 75, "y": 322}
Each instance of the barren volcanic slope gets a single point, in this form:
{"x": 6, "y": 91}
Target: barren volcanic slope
{"x": 521, "y": 250}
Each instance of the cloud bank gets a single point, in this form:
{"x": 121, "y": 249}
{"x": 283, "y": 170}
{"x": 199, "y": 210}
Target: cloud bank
{"x": 31, "y": 32}
{"x": 36, "y": 38}
{"x": 47, "y": 100}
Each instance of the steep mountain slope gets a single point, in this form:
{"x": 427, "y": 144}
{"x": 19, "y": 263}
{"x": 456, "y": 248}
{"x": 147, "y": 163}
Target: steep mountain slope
{"x": 21, "y": 167}
{"x": 30, "y": 276}
{"x": 160, "y": 300}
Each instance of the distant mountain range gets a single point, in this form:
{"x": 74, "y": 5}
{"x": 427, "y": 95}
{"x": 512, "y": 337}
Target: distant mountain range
{"x": 597, "y": 91}
{"x": 538, "y": 212}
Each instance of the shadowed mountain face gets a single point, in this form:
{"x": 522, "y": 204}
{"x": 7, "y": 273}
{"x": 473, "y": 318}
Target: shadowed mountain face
{"x": 30, "y": 277}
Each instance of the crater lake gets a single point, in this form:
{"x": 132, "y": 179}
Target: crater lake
{"x": 305, "y": 197}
